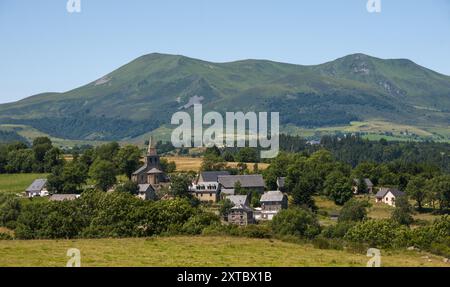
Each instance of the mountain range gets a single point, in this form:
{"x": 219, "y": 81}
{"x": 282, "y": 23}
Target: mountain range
{"x": 142, "y": 95}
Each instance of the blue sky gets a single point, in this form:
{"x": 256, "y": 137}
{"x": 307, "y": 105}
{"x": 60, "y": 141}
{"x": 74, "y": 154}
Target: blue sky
{"x": 44, "y": 48}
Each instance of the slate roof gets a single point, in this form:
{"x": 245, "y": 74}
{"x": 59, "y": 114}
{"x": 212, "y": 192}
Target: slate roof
{"x": 238, "y": 199}
{"x": 212, "y": 176}
{"x": 383, "y": 191}
{"x": 271, "y": 196}
{"x": 368, "y": 182}
{"x": 247, "y": 181}
{"x": 37, "y": 185}
{"x": 62, "y": 197}
{"x": 140, "y": 170}
{"x": 144, "y": 187}
{"x": 154, "y": 171}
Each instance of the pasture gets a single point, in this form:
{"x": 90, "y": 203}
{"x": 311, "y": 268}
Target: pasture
{"x": 17, "y": 183}
{"x": 195, "y": 252}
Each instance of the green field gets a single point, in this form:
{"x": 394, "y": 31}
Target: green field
{"x": 17, "y": 183}
{"x": 195, "y": 252}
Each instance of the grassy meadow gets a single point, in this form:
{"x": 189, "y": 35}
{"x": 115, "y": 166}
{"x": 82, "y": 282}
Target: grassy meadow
{"x": 195, "y": 252}
{"x": 17, "y": 183}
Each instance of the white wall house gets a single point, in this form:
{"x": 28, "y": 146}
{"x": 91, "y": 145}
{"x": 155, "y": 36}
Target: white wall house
{"x": 388, "y": 196}
{"x": 37, "y": 188}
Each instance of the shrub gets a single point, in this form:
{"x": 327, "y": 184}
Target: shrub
{"x": 296, "y": 221}
{"x": 5, "y": 236}
{"x": 438, "y": 232}
{"x": 197, "y": 223}
{"x": 354, "y": 210}
{"x": 378, "y": 234}
{"x": 337, "y": 231}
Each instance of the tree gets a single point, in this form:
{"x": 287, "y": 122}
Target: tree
{"x": 247, "y": 154}
{"x": 74, "y": 175}
{"x": 128, "y": 160}
{"x": 303, "y": 192}
{"x": 41, "y": 146}
{"x": 168, "y": 166}
{"x": 362, "y": 185}
{"x": 440, "y": 191}
{"x": 416, "y": 189}
{"x": 128, "y": 187}
{"x": 338, "y": 187}
{"x": 296, "y": 221}
{"x": 212, "y": 151}
{"x": 179, "y": 185}
{"x": 107, "y": 151}
{"x": 212, "y": 163}
{"x": 354, "y": 210}
{"x": 238, "y": 188}
{"x": 103, "y": 173}
{"x": 402, "y": 211}
{"x": 225, "y": 206}
{"x": 53, "y": 158}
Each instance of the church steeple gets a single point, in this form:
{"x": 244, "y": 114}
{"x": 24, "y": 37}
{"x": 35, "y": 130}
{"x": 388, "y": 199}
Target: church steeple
{"x": 151, "y": 150}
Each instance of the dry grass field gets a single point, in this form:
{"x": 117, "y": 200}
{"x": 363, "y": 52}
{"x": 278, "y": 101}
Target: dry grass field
{"x": 195, "y": 252}
{"x": 194, "y": 163}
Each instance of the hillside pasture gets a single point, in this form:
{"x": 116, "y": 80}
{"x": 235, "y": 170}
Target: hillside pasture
{"x": 195, "y": 252}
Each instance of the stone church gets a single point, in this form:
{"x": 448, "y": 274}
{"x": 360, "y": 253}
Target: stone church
{"x": 151, "y": 172}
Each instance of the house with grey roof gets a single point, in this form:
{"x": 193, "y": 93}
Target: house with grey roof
{"x": 241, "y": 215}
{"x": 64, "y": 197}
{"x": 272, "y": 202}
{"x": 368, "y": 182}
{"x": 388, "y": 195}
{"x": 146, "y": 192}
{"x": 253, "y": 182}
{"x": 37, "y": 188}
{"x": 210, "y": 176}
{"x": 239, "y": 199}
{"x": 206, "y": 188}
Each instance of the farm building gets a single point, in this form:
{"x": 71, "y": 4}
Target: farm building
{"x": 37, "y": 188}
{"x": 388, "y": 195}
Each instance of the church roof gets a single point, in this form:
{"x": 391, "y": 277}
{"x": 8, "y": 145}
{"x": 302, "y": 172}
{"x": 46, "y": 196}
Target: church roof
{"x": 140, "y": 170}
{"x": 154, "y": 170}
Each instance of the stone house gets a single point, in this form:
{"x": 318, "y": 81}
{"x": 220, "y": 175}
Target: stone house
{"x": 271, "y": 203}
{"x": 254, "y": 182}
{"x": 241, "y": 215}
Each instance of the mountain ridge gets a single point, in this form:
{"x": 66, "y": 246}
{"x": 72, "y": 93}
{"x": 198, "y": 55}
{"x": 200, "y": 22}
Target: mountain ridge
{"x": 141, "y": 96}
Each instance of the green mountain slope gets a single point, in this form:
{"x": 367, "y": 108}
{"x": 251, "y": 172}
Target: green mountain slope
{"x": 143, "y": 95}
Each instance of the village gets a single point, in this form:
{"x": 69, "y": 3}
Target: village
{"x": 250, "y": 201}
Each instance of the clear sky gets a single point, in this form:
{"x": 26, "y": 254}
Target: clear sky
{"x": 44, "y": 48}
